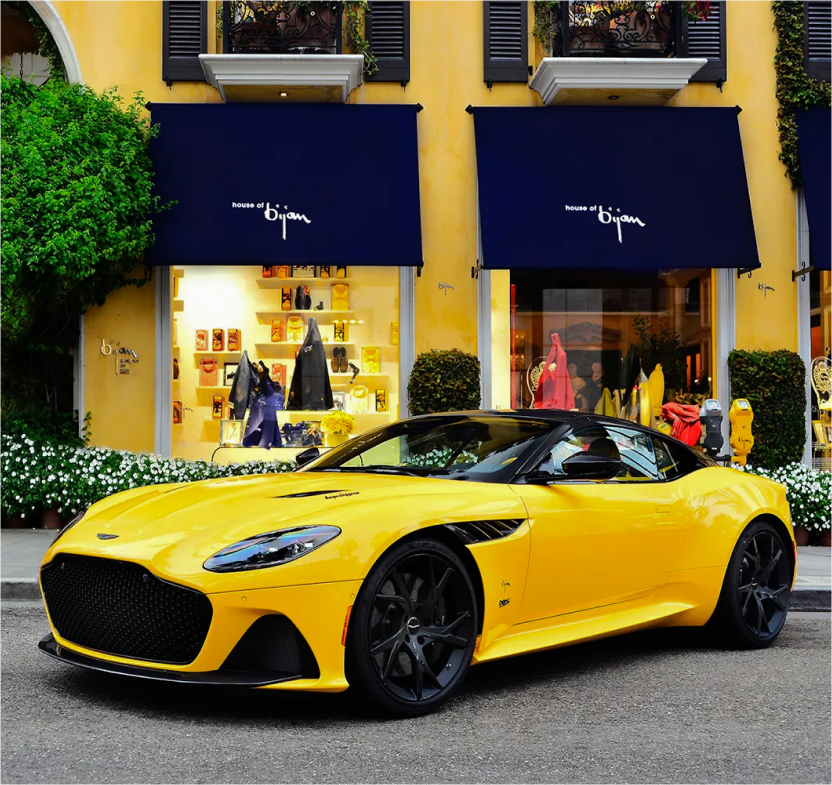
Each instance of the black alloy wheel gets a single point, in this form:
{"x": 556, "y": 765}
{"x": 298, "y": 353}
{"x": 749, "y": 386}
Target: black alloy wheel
{"x": 412, "y": 631}
{"x": 754, "y": 601}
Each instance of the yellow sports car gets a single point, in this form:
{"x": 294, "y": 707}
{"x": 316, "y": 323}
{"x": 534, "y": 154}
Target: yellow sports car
{"x": 394, "y": 562}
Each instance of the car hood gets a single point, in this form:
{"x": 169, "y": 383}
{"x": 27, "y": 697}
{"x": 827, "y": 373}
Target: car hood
{"x": 173, "y": 529}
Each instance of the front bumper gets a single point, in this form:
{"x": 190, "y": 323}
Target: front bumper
{"x": 48, "y": 645}
{"x": 318, "y": 611}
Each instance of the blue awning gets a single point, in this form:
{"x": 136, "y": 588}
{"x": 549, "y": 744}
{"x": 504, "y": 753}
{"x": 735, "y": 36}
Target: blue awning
{"x": 629, "y": 188}
{"x": 814, "y": 138}
{"x": 272, "y": 184}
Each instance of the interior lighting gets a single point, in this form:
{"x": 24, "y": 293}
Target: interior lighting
{"x": 613, "y": 97}
{"x": 283, "y": 95}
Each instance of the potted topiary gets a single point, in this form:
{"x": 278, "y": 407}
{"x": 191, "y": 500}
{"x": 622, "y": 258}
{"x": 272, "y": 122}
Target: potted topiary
{"x": 444, "y": 380}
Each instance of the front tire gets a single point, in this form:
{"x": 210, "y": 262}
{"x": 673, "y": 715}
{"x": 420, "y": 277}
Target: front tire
{"x": 412, "y": 631}
{"x": 756, "y": 591}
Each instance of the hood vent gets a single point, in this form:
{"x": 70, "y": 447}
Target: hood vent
{"x": 304, "y": 494}
{"x": 471, "y": 532}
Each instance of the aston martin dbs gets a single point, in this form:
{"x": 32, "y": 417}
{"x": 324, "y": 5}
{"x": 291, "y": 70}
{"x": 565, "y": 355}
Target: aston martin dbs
{"x": 394, "y": 562}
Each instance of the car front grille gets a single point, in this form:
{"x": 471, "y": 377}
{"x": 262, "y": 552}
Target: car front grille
{"x": 120, "y": 608}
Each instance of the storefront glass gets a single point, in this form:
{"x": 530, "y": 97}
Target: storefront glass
{"x": 220, "y": 311}
{"x": 820, "y": 304}
{"x": 593, "y": 341}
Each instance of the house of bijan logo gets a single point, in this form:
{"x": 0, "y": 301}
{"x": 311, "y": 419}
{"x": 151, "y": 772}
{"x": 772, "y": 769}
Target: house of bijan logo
{"x": 608, "y": 216}
{"x": 273, "y": 213}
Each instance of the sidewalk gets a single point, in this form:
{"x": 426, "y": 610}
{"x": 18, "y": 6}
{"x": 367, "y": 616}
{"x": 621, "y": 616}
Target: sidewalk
{"x": 23, "y": 549}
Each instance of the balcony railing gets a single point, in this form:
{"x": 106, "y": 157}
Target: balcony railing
{"x": 281, "y": 27}
{"x": 615, "y": 29}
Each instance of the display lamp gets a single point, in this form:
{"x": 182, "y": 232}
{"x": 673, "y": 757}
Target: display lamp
{"x": 741, "y": 415}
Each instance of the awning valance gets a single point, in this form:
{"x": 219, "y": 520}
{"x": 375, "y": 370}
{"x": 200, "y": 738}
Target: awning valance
{"x": 814, "y": 138}
{"x": 630, "y": 188}
{"x": 270, "y": 184}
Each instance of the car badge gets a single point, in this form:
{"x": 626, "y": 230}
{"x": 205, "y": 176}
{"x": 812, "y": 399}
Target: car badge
{"x": 102, "y": 536}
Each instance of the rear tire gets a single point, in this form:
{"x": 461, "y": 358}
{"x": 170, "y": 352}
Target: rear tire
{"x": 412, "y": 630}
{"x": 756, "y": 590}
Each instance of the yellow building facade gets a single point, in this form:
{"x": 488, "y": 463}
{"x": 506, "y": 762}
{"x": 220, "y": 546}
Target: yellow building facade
{"x": 449, "y": 304}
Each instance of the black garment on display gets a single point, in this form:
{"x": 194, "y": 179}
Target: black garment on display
{"x": 262, "y": 429}
{"x": 242, "y": 388}
{"x": 629, "y": 374}
{"x": 310, "y": 387}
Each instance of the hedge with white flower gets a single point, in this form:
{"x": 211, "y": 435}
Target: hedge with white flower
{"x": 809, "y": 493}
{"x": 39, "y": 476}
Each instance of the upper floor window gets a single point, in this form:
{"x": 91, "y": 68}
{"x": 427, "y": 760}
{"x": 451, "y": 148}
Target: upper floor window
{"x": 506, "y": 42}
{"x": 641, "y": 29}
{"x": 817, "y": 38}
{"x": 388, "y": 33}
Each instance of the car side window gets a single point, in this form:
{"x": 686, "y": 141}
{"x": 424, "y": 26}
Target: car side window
{"x": 673, "y": 460}
{"x": 638, "y": 457}
{"x": 579, "y": 441}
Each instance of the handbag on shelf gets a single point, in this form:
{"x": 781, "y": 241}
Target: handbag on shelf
{"x": 208, "y": 372}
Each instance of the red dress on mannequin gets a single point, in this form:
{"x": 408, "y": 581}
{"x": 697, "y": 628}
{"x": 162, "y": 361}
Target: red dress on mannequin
{"x": 554, "y": 390}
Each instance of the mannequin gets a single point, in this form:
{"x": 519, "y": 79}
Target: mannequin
{"x": 554, "y": 391}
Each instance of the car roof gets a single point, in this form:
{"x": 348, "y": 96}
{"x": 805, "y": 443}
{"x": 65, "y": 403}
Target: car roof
{"x": 556, "y": 416}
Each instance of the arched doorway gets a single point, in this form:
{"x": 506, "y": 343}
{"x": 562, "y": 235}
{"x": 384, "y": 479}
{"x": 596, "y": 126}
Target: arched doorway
{"x": 21, "y": 41}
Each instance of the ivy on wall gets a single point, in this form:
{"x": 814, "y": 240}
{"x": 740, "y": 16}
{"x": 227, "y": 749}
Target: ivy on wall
{"x": 795, "y": 89}
{"x": 48, "y": 47}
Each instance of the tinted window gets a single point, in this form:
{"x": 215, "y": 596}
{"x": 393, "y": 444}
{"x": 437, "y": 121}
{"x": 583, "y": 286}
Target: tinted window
{"x": 673, "y": 459}
{"x": 638, "y": 457}
{"x": 635, "y": 449}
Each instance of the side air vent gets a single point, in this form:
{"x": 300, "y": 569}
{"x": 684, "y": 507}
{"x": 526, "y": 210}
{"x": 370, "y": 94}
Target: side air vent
{"x": 471, "y": 532}
{"x": 309, "y": 493}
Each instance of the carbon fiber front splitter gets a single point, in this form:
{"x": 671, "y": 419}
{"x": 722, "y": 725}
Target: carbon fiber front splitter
{"x": 229, "y": 678}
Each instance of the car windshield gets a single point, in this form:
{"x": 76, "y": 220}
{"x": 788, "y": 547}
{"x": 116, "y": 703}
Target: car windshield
{"x": 483, "y": 448}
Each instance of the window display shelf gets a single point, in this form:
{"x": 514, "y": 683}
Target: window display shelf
{"x": 280, "y": 283}
{"x": 269, "y": 315}
{"x": 225, "y": 354}
{"x": 265, "y": 348}
{"x": 348, "y": 375}
{"x": 215, "y": 388}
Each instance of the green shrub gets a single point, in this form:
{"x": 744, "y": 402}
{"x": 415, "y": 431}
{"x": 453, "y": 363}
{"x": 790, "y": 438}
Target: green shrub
{"x": 444, "y": 380}
{"x": 808, "y": 492}
{"x": 774, "y": 384}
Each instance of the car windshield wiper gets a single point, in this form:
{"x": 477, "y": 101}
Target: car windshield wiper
{"x": 373, "y": 469}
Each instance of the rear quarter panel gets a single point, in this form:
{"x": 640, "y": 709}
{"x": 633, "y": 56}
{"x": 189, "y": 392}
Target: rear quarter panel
{"x": 719, "y": 504}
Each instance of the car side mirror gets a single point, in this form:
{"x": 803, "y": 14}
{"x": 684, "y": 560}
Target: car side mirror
{"x": 586, "y": 466}
{"x": 307, "y": 456}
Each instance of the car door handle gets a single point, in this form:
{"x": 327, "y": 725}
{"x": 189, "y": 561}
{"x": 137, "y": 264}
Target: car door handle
{"x": 662, "y": 508}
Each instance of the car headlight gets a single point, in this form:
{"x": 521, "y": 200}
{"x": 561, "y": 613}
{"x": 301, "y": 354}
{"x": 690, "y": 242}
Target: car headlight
{"x": 271, "y": 548}
{"x": 69, "y": 525}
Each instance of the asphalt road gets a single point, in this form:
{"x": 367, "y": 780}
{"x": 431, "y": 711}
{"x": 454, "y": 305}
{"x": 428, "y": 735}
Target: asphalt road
{"x": 652, "y": 707}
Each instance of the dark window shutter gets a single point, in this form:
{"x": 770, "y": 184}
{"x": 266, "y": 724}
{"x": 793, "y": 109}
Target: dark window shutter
{"x": 506, "y": 42}
{"x": 388, "y": 32}
{"x": 817, "y": 38}
{"x": 707, "y": 39}
{"x": 184, "y": 38}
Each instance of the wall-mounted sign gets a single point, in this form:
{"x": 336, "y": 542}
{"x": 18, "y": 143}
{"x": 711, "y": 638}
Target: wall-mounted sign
{"x": 122, "y": 356}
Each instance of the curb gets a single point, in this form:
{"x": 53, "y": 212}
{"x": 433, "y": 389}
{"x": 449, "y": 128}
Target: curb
{"x": 20, "y": 589}
{"x": 811, "y": 599}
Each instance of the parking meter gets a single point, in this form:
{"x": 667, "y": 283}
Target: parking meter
{"x": 710, "y": 416}
{"x": 741, "y": 415}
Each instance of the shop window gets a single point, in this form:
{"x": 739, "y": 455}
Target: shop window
{"x": 820, "y": 304}
{"x": 621, "y": 344}
{"x": 220, "y": 311}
